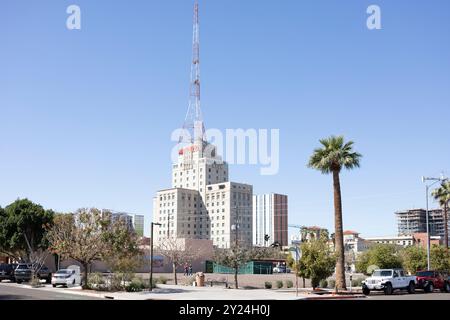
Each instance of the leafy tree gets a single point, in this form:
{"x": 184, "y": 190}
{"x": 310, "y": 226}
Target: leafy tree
{"x": 235, "y": 257}
{"x": 414, "y": 259}
{"x": 291, "y": 263}
{"x": 23, "y": 226}
{"x": 442, "y": 194}
{"x": 383, "y": 256}
{"x": 317, "y": 261}
{"x": 81, "y": 237}
{"x": 122, "y": 252}
{"x": 440, "y": 258}
{"x": 332, "y": 157}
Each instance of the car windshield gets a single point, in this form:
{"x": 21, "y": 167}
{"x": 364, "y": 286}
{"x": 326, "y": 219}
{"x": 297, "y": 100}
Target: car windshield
{"x": 65, "y": 271}
{"x": 424, "y": 274}
{"x": 382, "y": 273}
{"x": 22, "y": 266}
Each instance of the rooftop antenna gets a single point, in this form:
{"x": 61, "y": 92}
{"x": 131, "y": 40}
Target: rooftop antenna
{"x": 193, "y": 123}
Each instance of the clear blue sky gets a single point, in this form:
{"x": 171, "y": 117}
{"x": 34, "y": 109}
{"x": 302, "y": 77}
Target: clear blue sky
{"x": 86, "y": 116}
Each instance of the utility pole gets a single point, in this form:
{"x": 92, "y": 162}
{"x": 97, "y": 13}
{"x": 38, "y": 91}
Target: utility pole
{"x": 151, "y": 253}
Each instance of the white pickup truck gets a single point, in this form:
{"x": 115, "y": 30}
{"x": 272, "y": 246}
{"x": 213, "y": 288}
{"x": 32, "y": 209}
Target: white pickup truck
{"x": 388, "y": 280}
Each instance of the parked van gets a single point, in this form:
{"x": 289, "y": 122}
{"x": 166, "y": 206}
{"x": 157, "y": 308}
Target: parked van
{"x": 70, "y": 276}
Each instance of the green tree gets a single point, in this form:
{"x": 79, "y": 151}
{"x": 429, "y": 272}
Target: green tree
{"x": 81, "y": 237}
{"x": 414, "y": 259}
{"x": 122, "y": 253}
{"x": 442, "y": 194}
{"x": 317, "y": 261}
{"x": 332, "y": 157}
{"x": 440, "y": 258}
{"x": 291, "y": 263}
{"x": 383, "y": 256}
{"x": 23, "y": 226}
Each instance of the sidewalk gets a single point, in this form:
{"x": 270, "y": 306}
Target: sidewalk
{"x": 172, "y": 292}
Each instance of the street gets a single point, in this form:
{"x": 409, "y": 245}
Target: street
{"x": 405, "y": 296}
{"x": 12, "y": 291}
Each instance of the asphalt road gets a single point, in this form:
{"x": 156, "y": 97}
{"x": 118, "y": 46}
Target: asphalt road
{"x": 16, "y": 292}
{"x": 405, "y": 296}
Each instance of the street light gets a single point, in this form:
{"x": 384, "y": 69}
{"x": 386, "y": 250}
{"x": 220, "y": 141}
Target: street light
{"x": 151, "y": 253}
{"x": 428, "y": 186}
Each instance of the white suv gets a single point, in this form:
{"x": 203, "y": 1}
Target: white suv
{"x": 388, "y": 280}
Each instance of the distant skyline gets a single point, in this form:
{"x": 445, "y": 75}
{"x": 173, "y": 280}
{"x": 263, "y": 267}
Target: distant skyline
{"x": 86, "y": 115}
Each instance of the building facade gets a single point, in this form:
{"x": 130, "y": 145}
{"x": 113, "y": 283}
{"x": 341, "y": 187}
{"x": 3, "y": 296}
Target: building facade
{"x": 202, "y": 203}
{"x": 417, "y": 239}
{"x": 270, "y": 217}
{"x": 414, "y": 221}
{"x": 138, "y": 224}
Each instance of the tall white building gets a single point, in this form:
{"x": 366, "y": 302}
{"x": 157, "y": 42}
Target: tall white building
{"x": 270, "y": 218}
{"x": 203, "y": 204}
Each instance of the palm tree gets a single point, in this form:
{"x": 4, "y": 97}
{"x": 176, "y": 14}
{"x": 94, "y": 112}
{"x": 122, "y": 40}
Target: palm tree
{"x": 333, "y": 156}
{"x": 442, "y": 194}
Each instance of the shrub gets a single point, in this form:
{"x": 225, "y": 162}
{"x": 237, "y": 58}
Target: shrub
{"x": 136, "y": 285}
{"x": 268, "y": 285}
{"x": 332, "y": 284}
{"x": 162, "y": 280}
{"x": 289, "y": 284}
{"x": 323, "y": 283}
{"x": 357, "y": 282}
{"x": 97, "y": 281}
{"x": 279, "y": 284}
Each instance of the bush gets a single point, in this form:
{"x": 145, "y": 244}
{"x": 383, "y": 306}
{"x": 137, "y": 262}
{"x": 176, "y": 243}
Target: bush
{"x": 162, "y": 280}
{"x": 136, "y": 285}
{"x": 289, "y": 284}
{"x": 357, "y": 282}
{"x": 332, "y": 284}
{"x": 96, "y": 281}
{"x": 323, "y": 283}
{"x": 279, "y": 284}
{"x": 268, "y": 285}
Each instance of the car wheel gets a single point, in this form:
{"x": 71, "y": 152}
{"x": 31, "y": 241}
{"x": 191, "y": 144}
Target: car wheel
{"x": 411, "y": 288}
{"x": 429, "y": 288}
{"x": 19, "y": 281}
{"x": 366, "y": 291}
{"x": 388, "y": 289}
{"x": 54, "y": 286}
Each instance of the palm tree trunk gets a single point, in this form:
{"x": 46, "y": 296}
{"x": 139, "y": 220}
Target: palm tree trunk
{"x": 339, "y": 236}
{"x": 446, "y": 225}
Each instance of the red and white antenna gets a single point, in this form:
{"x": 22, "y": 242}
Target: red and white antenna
{"x": 193, "y": 122}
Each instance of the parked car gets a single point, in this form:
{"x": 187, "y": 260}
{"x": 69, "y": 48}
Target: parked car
{"x": 7, "y": 272}
{"x": 67, "y": 277}
{"x": 24, "y": 273}
{"x": 281, "y": 269}
{"x": 388, "y": 280}
{"x": 430, "y": 280}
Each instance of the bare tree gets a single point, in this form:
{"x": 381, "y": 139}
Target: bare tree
{"x": 177, "y": 251}
{"x": 235, "y": 257}
{"x": 81, "y": 237}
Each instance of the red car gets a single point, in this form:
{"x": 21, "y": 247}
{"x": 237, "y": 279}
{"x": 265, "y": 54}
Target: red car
{"x": 430, "y": 280}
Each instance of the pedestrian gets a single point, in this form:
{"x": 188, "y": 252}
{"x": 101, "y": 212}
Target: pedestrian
{"x": 186, "y": 269}
{"x": 190, "y": 269}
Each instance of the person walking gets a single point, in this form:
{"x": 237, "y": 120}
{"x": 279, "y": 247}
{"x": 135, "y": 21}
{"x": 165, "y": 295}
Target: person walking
{"x": 190, "y": 269}
{"x": 186, "y": 269}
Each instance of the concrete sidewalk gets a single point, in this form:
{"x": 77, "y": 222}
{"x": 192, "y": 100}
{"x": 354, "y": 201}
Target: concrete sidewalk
{"x": 172, "y": 292}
